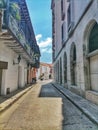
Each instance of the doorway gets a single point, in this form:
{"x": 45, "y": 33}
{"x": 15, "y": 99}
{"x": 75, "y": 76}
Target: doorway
{"x": 0, "y": 80}
{"x": 93, "y": 58}
{"x": 73, "y": 65}
{"x": 65, "y": 68}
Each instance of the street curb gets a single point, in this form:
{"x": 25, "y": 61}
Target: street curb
{"x": 5, "y": 105}
{"x": 87, "y": 113}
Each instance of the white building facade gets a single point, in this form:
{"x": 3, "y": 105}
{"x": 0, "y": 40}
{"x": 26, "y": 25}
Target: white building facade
{"x": 45, "y": 71}
{"x": 14, "y": 76}
{"x": 75, "y": 54}
{"x": 18, "y": 46}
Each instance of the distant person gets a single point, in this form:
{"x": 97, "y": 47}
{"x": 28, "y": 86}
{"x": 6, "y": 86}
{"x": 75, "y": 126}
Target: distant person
{"x": 49, "y": 76}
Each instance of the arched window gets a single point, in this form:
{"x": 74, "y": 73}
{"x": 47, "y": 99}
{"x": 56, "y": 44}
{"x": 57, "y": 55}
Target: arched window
{"x": 61, "y": 70}
{"x": 65, "y": 67}
{"x": 58, "y": 70}
{"x": 74, "y": 53}
{"x": 93, "y": 38}
{"x": 73, "y": 64}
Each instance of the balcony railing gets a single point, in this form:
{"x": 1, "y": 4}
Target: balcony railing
{"x": 12, "y": 21}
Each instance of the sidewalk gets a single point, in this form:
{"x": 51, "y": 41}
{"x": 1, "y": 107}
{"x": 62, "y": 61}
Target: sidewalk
{"x": 8, "y": 100}
{"x": 34, "y": 112}
{"x": 87, "y": 107}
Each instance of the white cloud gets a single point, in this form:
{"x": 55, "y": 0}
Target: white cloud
{"x": 46, "y": 50}
{"x": 46, "y": 42}
{"x": 38, "y": 37}
{"x": 49, "y": 50}
{"x": 43, "y": 43}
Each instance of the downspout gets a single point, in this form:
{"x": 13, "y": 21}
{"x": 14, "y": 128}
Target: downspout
{"x": 0, "y": 20}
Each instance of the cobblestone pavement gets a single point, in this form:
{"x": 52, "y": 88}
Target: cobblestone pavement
{"x": 73, "y": 118}
{"x": 44, "y": 108}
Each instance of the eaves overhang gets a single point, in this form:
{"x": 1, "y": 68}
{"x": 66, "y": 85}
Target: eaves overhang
{"x": 12, "y": 42}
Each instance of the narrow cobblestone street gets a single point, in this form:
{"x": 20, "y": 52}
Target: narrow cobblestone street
{"x": 44, "y": 108}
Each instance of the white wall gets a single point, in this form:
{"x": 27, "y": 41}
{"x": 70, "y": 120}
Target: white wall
{"x": 45, "y": 70}
{"x": 10, "y": 75}
{"x": 78, "y": 38}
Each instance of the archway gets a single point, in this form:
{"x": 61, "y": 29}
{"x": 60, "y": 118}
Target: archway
{"x": 65, "y": 68}
{"x": 0, "y": 80}
{"x": 60, "y": 70}
{"x": 3, "y": 66}
{"x": 73, "y": 64}
{"x": 93, "y": 57}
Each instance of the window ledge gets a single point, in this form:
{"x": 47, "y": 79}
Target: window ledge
{"x": 92, "y": 53}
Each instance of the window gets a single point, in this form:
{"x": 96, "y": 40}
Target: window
{"x": 62, "y": 10}
{"x": 73, "y": 64}
{"x": 93, "y": 39}
{"x": 65, "y": 67}
{"x": 69, "y": 15}
{"x": 60, "y": 70}
{"x": 62, "y": 6}
{"x": 62, "y": 33}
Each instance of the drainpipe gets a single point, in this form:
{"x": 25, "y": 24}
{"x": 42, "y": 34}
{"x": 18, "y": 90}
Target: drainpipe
{"x": 0, "y": 20}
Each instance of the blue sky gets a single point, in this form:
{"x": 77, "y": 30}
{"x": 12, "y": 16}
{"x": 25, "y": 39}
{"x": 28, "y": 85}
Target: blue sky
{"x": 40, "y": 13}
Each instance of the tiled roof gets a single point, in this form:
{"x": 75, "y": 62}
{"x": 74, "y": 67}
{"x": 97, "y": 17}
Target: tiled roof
{"x": 45, "y": 64}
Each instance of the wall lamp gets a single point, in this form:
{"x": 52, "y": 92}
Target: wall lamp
{"x": 18, "y": 60}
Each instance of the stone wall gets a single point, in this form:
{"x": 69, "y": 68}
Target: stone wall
{"x": 79, "y": 38}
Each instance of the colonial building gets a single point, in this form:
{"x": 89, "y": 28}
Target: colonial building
{"x": 45, "y": 71}
{"x": 19, "y": 51}
{"x": 75, "y": 45}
